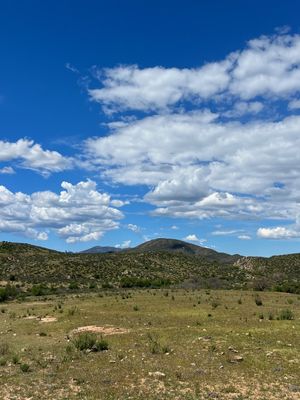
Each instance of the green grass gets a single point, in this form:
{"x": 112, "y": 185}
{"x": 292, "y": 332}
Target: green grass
{"x": 171, "y": 348}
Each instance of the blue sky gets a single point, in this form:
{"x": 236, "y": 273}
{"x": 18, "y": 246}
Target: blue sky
{"x": 124, "y": 121}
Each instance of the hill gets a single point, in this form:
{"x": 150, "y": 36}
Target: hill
{"x": 155, "y": 263}
{"x": 179, "y": 246}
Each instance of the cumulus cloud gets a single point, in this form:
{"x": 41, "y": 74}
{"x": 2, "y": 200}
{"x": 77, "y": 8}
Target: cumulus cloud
{"x": 200, "y": 166}
{"x": 7, "y": 170}
{"x": 194, "y": 238}
{"x": 278, "y": 232}
{"x": 268, "y": 66}
{"x": 124, "y": 245}
{"x": 79, "y": 213}
{"x": 31, "y": 155}
{"x": 157, "y": 88}
{"x": 119, "y": 203}
{"x": 134, "y": 228}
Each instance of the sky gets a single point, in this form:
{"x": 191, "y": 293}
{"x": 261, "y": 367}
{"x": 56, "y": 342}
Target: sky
{"x": 125, "y": 121}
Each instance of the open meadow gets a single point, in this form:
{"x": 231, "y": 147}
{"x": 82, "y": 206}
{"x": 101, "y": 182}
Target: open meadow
{"x": 151, "y": 344}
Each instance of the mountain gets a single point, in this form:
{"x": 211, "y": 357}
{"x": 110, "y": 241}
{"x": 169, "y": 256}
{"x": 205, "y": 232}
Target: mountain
{"x": 101, "y": 250}
{"x": 179, "y": 246}
{"x": 154, "y": 263}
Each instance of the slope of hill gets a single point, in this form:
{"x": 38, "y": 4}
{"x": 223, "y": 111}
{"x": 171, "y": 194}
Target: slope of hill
{"x": 174, "y": 245}
{"x": 151, "y": 264}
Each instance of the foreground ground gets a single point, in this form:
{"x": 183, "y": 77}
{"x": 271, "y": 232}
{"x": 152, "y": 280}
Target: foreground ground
{"x": 163, "y": 344}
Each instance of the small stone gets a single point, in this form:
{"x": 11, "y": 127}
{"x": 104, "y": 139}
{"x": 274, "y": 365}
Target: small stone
{"x": 294, "y": 388}
{"x": 230, "y": 348}
{"x": 157, "y": 374}
{"x": 236, "y": 359}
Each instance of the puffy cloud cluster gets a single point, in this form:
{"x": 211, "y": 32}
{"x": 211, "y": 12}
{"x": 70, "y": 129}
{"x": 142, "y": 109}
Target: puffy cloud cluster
{"x": 200, "y": 166}
{"x": 31, "y": 155}
{"x": 79, "y": 213}
{"x": 268, "y": 67}
{"x": 278, "y": 232}
{"x": 194, "y": 239}
{"x": 211, "y": 145}
{"x": 157, "y": 88}
{"x": 203, "y": 164}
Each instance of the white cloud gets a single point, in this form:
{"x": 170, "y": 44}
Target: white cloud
{"x": 226, "y": 232}
{"x": 279, "y": 232}
{"x": 124, "y": 245}
{"x": 268, "y": 66}
{"x": 134, "y": 228}
{"x": 129, "y": 87}
{"x": 31, "y": 155}
{"x": 242, "y": 107}
{"x": 200, "y": 166}
{"x": 119, "y": 203}
{"x": 77, "y": 213}
{"x": 193, "y": 238}
{"x": 294, "y": 104}
{"x": 7, "y": 170}
{"x": 244, "y": 237}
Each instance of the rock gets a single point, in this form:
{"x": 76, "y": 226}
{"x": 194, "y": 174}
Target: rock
{"x": 157, "y": 374}
{"x": 294, "y": 388}
{"x": 236, "y": 359}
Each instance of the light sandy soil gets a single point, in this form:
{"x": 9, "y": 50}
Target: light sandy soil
{"x": 104, "y": 330}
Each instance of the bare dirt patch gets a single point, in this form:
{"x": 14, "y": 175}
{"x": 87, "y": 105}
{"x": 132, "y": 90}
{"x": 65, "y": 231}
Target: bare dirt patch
{"x": 104, "y": 330}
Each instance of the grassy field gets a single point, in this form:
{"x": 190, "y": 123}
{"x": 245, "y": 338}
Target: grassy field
{"x": 162, "y": 344}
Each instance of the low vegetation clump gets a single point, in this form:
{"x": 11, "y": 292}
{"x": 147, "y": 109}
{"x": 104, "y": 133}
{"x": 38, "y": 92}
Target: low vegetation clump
{"x": 258, "y": 300}
{"x": 89, "y": 341}
{"x": 24, "y": 367}
{"x": 286, "y": 314}
{"x": 8, "y": 292}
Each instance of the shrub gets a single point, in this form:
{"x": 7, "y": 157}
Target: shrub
{"x": 258, "y": 300}
{"x": 4, "y": 349}
{"x": 215, "y": 304}
{"x": 92, "y": 285}
{"x": 271, "y": 316}
{"x": 73, "y": 286}
{"x": 156, "y": 347}
{"x": 24, "y": 367}
{"x": 15, "y": 359}
{"x": 2, "y": 362}
{"x": 72, "y": 311}
{"x": 101, "y": 345}
{"x": 39, "y": 290}
{"x": 84, "y": 341}
{"x": 8, "y": 292}
{"x": 89, "y": 341}
{"x": 286, "y": 314}
{"x": 130, "y": 282}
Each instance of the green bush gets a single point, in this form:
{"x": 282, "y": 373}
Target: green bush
{"x": 24, "y": 367}
{"x": 258, "y": 300}
{"x": 39, "y": 290}
{"x": 89, "y": 341}
{"x": 131, "y": 282}
{"x": 8, "y": 292}
{"x": 286, "y": 314}
{"x": 73, "y": 286}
